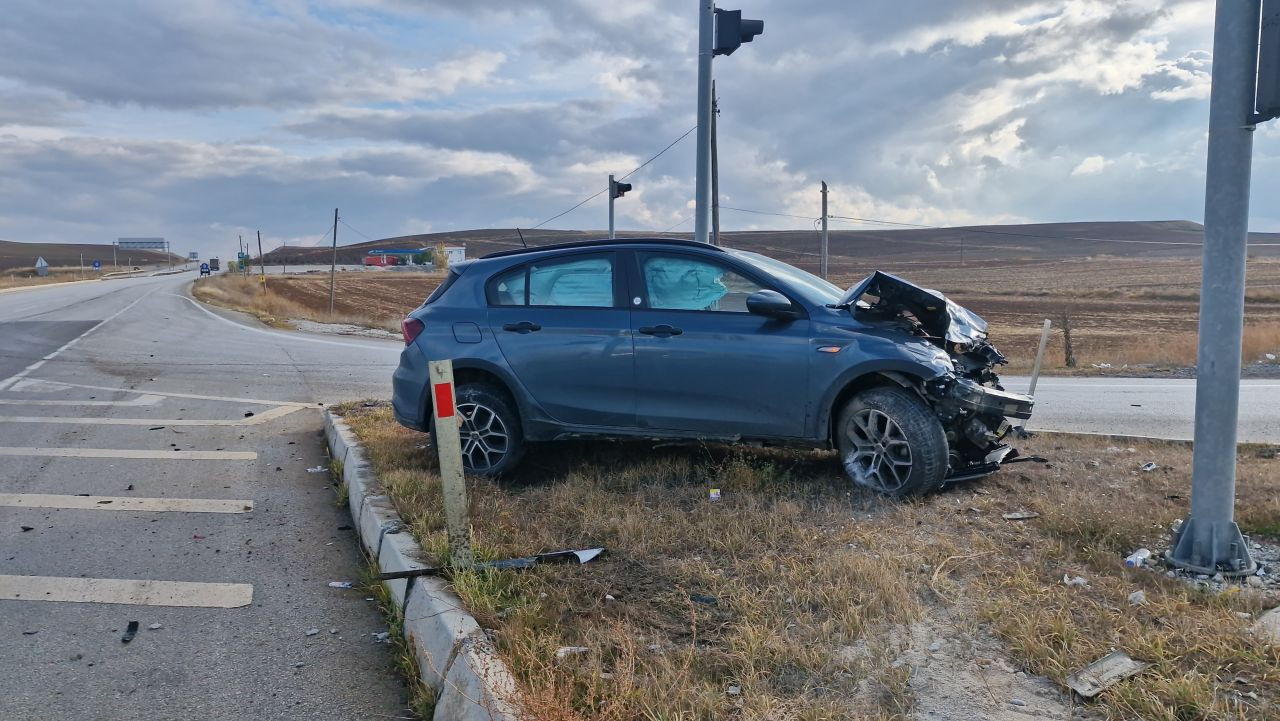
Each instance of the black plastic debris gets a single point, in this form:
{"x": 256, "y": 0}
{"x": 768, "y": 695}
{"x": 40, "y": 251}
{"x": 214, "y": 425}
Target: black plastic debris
{"x": 704, "y": 599}
{"x": 130, "y": 632}
{"x": 508, "y": 564}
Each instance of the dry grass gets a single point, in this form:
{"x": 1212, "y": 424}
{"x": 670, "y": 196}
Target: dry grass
{"x": 27, "y": 278}
{"x": 273, "y": 307}
{"x": 812, "y": 580}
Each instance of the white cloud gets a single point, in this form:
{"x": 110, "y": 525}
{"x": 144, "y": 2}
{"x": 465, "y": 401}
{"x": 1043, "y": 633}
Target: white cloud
{"x": 1091, "y": 165}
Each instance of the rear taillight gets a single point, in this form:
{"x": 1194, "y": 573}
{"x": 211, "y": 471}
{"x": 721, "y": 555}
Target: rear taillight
{"x": 411, "y": 327}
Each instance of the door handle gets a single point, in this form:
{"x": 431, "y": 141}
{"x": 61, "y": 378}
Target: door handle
{"x": 523, "y": 326}
{"x": 661, "y": 331}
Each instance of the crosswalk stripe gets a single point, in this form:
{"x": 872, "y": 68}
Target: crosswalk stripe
{"x": 125, "y": 503}
{"x": 129, "y": 453}
{"x": 250, "y": 421}
{"x": 125, "y": 591}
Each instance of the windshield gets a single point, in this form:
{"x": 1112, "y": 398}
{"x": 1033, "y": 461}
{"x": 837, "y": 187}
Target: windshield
{"x": 809, "y": 286}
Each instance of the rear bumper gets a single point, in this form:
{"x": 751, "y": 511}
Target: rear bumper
{"x": 409, "y": 389}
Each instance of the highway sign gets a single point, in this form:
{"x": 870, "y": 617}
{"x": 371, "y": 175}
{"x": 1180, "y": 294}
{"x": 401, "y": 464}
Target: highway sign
{"x": 97, "y": 265}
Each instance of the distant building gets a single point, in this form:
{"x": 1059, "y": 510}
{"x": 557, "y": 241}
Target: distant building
{"x": 456, "y": 253}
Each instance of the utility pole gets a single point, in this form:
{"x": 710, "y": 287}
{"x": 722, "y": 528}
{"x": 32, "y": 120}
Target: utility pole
{"x": 715, "y": 168}
{"x": 262, "y": 265}
{"x": 1209, "y": 541}
{"x": 115, "y": 262}
{"x": 169, "y": 252}
{"x": 611, "y": 199}
{"x": 333, "y": 264}
{"x": 702, "y": 188}
{"x": 81, "y": 266}
{"x": 824, "y": 230}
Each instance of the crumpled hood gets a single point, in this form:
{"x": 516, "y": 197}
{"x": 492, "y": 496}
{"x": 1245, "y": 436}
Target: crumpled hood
{"x": 937, "y": 314}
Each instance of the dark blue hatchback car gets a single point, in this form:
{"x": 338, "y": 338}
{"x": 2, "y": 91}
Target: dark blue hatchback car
{"x": 676, "y": 339}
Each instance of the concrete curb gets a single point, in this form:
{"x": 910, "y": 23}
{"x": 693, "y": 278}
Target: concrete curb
{"x": 456, "y": 658}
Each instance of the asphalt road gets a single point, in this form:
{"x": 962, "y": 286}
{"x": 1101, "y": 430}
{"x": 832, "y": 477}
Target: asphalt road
{"x": 223, "y": 537}
{"x": 235, "y": 589}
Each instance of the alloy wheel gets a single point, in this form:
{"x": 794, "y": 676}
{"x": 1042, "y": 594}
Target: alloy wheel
{"x": 881, "y": 456}
{"x": 485, "y": 438}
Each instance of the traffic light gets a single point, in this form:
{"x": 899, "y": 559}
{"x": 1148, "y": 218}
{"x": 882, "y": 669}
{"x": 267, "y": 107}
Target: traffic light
{"x": 619, "y": 189}
{"x": 732, "y": 30}
{"x": 1268, "y": 94}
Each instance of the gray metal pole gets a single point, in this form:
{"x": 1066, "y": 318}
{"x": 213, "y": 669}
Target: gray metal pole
{"x": 824, "y": 230}
{"x": 610, "y": 207}
{"x": 262, "y": 264}
{"x": 715, "y": 169}
{"x": 333, "y": 264}
{"x": 1209, "y": 541}
{"x": 115, "y": 263}
{"x": 702, "y": 190}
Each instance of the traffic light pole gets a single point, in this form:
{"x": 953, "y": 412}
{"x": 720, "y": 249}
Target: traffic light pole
{"x": 1209, "y": 541}
{"x": 824, "y": 230}
{"x": 702, "y": 190}
{"x": 611, "y": 198}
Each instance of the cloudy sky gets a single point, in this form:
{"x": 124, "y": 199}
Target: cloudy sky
{"x": 202, "y": 119}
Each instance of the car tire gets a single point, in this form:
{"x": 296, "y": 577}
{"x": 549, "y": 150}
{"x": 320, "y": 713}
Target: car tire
{"x": 891, "y": 442}
{"x": 490, "y": 433}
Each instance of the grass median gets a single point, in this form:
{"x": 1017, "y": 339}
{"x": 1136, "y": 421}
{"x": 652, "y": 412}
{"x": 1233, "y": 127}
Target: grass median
{"x": 796, "y": 596}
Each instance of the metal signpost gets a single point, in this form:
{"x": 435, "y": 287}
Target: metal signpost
{"x": 448, "y": 445}
{"x": 1209, "y": 541}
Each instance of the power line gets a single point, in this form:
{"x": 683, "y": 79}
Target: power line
{"x": 340, "y": 220}
{"x": 624, "y": 177}
{"x": 1015, "y": 234}
{"x": 765, "y": 212}
{"x": 682, "y": 221}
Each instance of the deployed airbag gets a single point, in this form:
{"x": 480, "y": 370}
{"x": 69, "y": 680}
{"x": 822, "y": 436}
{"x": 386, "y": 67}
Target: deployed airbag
{"x": 585, "y": 283}
{"x": 680, "y": 284}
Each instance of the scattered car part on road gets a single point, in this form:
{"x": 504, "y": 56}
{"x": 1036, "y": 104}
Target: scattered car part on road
{"x": 510, "y": 564}
{"x": 1104, "y": 673}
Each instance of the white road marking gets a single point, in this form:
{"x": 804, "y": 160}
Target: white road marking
{"x": 124, "y": 503}
{"x": 149, "y": 399}
{"x": 389, "y": 346}
{"x": 22, "y": 373}
{"x": 125, "y": 591}
{"x": 251, "y": 421}
{"x": 128, "y": 453}
{"x": 170, "y": 394}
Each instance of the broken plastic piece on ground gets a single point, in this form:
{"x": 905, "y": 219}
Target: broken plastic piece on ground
{"x": 341, "y": 584}
{"x": 1138, "y": 598}
{"x": 130, "y": 632}
{"x": 1074, "y": 581}
{"x": 317, "y": 469}
{"x": 1138, "y": 558}
{"x": 1104, "y": 673}
{"x": 508, "y": 564}
{"x": 704, "y": 598}
{"x": 566, "y": 651}
{"x": 1020, "y": 516}
{"x": 1149, "y": 466}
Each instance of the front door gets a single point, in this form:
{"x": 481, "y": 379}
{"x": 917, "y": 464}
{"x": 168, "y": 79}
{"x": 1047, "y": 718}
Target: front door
{"x": 703, "y": 363}
{"x": 566, "y": 334}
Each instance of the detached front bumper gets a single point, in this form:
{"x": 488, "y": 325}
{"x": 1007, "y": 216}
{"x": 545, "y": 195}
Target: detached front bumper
{"x": 988, "y": 401}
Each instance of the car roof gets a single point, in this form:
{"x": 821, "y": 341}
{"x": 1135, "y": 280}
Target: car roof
{"x": 608, "y": 243}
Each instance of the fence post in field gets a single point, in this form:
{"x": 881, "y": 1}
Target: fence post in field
{"x": 1035, "y": 369}
{"x": 445, "y": 438}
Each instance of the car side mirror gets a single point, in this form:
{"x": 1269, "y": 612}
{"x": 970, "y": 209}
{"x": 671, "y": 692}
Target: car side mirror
{"x": 771, "y": 304}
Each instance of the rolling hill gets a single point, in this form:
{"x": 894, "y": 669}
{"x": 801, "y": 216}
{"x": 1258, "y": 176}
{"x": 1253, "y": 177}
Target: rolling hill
{"x": 15, "y": 256}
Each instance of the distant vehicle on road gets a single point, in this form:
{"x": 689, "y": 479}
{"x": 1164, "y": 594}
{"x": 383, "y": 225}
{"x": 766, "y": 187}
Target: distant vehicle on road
{"x": 204, "y": 269}
{"x": 674, "y": 339}
{"x": 215, "y": 265}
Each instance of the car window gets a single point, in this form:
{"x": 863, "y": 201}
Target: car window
{"x": 508, "y": 288}
{"x": 682, "y": 282}
{"x": 582, "y": 282}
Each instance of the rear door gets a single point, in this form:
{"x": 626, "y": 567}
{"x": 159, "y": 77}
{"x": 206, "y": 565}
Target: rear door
{"x": 703, "y": 363}
{"x": 565, "y": 332}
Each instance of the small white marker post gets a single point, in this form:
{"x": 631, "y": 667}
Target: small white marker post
{"x": 457, "y": 511}
{"x": 1035, "y": 370}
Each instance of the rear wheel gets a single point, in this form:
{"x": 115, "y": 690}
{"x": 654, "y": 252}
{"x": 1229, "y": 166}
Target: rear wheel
{"x": 890, "y": 442}
{"x": 489, "y": 430}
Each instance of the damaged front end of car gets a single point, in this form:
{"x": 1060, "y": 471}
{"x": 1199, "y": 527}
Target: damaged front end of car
{"x": 972, "y": 406}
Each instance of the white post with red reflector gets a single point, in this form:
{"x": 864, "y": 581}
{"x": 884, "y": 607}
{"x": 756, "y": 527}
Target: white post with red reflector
{"x": 457, "y": 511}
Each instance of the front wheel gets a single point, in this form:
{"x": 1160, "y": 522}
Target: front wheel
{"x": 489, "y": 430}
{"x": 890, "y": 442}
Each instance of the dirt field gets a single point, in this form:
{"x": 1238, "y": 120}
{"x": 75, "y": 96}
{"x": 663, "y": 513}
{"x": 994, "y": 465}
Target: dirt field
{"x": 796, "y": 596}
{"x": 383, "y": 295}
{"x": 21, "y": 257}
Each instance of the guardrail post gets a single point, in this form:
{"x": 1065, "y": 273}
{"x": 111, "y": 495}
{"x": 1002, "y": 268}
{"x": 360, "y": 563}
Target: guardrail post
{"x": 457, "y": 511}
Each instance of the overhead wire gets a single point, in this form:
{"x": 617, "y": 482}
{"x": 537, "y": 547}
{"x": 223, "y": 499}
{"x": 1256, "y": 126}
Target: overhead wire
{"x": 633, "y": 171}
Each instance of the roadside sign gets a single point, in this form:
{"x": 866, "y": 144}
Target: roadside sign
{"x": 42, "y": 267}
{"x": 97, "y": 265}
